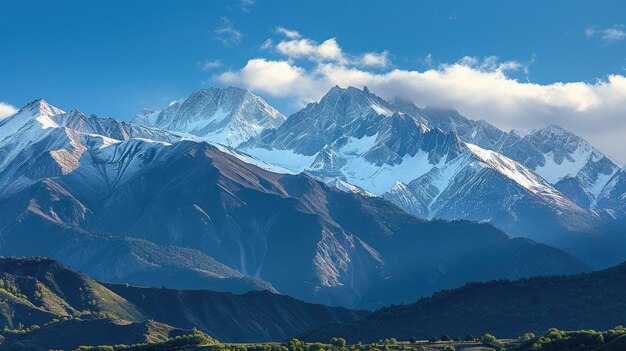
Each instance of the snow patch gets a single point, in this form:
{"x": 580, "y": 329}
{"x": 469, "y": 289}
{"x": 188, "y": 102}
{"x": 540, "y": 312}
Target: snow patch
{"x": 378, "y": 179}
{"x": 381, "y": 110}
{"x": 357, "y": 147}
{"x": 252, "y": 160}
{"x": 286, "y": 159}
{"x": 553, "y": 171}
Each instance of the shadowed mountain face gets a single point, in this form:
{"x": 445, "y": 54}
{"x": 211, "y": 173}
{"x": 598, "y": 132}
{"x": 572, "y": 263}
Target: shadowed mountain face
{"x": 42, "y": 292}
{"x": 187, "y": 214}
{"x": 505, "y": 308}
{"x": 251, "y": 317}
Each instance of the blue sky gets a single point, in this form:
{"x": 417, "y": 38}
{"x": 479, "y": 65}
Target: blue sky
{"x": 503, "y": 61}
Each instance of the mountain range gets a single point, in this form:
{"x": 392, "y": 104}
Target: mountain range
{"x": 548, "y": 185}
{"x": 123, "y": 202}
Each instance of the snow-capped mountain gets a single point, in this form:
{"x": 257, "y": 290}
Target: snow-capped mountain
{"x": 434, "y": 163}
{"x": 36, "y": 110}
{"x": 355, "y": 136}
{"x": 130, "y": 203}
{"x": 42, "y": 141}
{"x": 227, "y": 116}
{"x": 358, "y": 138}
{"x": 565, "y": 160}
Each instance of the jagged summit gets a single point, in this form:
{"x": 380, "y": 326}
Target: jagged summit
{"x": 38, "y": 107}
{"x": 37, "y": 110}
{"x": 229, "y": 116}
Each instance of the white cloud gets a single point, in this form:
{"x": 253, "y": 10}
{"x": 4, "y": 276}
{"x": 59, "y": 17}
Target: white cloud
{"x": 276, "y": 78}
{"x": 227, "y": 33}
{"x": 6, "y": 110}
{"x": 328, "y": 50}
{"x": 207, "y": 65}
{"x": 291, "y": 34}
{"x": 607, "y": 35}
{"x": 374, "y": 59}
{"x": 479, "y": 89}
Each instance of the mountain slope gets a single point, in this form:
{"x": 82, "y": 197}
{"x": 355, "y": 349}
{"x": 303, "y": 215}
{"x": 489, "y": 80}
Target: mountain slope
{"x": 227, "y": 116}
{"x": 504, "y": 308}
{"x": 251, "y": 227}
{"x": 42, "y": 217}
{"x": 613, "y": 197}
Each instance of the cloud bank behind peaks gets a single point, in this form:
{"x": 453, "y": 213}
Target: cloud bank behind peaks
{"x": 478, "y": 88}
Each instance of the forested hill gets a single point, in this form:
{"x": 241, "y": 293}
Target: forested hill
{"x": 505, "y": 308}
{"x": 39, "y": 297}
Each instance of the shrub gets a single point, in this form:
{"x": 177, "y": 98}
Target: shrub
{"x": 338, "y": 342}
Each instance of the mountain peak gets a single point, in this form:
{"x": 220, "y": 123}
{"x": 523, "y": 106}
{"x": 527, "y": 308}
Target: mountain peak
{"x": 38, "y": 110}
{"x": 229, "y": 116}
{"x": 352, "y": 98}
{"x": 75, "y": 112}
{"x": 41, "y": 107}
{"x": 556, "y": 130}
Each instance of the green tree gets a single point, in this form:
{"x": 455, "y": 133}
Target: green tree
{"x": 445, "y": 337}
{"x": 412, "y": 340}
{"x": 491, "y": 340}
{"x": 295, "y": 345}
{"x": 449, "y": 348}
{"x": 338, "y": 342}
{"x": 470, "y": 337}
{"x": 488, "y": 339}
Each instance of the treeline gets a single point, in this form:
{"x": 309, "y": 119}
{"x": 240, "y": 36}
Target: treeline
{"x": 580, "y": 340}
{"x": 195, "y": 339}
{"x": 554, "y": 340}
